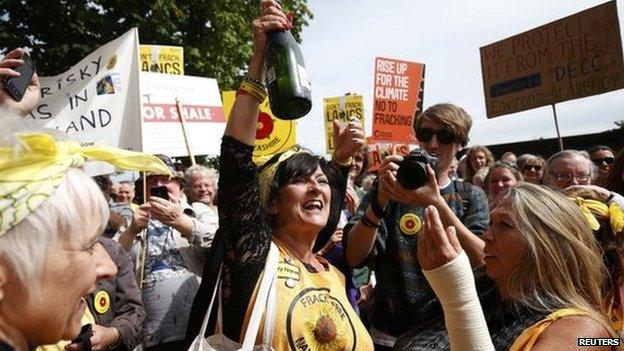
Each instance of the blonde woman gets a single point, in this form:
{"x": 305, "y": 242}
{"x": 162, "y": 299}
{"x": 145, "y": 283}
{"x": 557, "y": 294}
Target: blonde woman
{"x": 547, "y": 272}
{"x": 478, "y": 157}
{"x": 500, "y": 177}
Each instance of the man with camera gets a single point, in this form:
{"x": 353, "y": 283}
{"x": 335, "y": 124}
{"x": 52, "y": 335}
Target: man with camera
{"x": 392, "y": 214}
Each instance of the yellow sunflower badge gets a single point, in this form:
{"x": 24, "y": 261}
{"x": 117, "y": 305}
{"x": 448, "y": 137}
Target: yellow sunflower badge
{"x": 410, "y": 224}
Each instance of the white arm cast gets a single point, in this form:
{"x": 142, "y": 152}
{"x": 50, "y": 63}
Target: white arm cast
{"x": 454, "y": 284}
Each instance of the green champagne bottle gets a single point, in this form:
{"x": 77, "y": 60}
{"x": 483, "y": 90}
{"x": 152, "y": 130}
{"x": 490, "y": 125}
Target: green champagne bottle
{"x": 289, "y": 88}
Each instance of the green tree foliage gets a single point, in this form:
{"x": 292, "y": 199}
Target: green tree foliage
{"x": 215, "y": 34}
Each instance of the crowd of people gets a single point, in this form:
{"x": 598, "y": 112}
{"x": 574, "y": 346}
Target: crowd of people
{"x": 299, "y": 252}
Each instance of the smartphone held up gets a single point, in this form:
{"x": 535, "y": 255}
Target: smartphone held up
{"x": 16, "y": 86}
{"x": 160, "y": 191}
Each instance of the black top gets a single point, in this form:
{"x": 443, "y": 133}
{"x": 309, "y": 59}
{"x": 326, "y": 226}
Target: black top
{"x": 5, "y": 347}
{"x": 505, "y": 321}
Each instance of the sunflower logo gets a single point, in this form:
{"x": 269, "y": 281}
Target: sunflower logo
{"x": 325, "y": 329}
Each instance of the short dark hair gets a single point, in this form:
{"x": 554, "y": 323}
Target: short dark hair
{"x": 595, "y": 148}
{"x": 303, "y": 165}
{"x": 615, "y": 181}
{"x": 296, "y": 166}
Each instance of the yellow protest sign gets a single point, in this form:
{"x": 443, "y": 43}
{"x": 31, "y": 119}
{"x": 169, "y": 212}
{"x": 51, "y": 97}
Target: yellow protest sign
{"x": 162, "y": 59}
{"x": 341, "y": 108}
{"x": 273, "y": 135}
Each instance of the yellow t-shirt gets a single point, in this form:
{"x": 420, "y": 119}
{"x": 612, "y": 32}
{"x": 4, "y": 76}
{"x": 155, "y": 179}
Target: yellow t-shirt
{"x": 529, "y": 336}
{"x": 87, "y": 318}
{"x": 313, "y": 312}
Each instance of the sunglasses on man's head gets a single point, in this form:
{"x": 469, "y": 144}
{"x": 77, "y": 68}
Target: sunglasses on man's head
{"x": 536, "y": 168}
{"x": 607, "y": 160}
{"x": 443, "y": 135}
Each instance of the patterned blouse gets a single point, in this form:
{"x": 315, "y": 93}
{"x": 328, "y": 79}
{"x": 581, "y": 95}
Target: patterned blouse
{"x": 505, "y": 321}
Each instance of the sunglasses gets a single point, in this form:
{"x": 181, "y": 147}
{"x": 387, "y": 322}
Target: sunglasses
{"x": 607, "y": 160}
{"x": 535, "y": 168}
{"x": 443, "y": 135}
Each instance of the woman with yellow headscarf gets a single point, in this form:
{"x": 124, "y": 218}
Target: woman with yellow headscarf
{"x": 51, "y": 215}
{"x": 279, "y": 212}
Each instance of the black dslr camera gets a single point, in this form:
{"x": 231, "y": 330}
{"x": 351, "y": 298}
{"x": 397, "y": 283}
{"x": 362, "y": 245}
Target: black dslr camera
{"x": 412, "y": 171}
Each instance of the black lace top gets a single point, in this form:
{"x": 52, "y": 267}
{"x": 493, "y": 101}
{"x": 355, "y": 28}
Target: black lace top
{"x": 244, "y": 228}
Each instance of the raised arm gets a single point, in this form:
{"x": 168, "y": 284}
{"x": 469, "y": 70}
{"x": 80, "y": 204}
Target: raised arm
{"x": 243, "y": 119}
{"x": 349, "y": 139}
{"x": 447, "y": 269}
{"x": 242, "y": 221}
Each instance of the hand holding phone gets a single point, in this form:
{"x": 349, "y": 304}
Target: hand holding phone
{"x": 19, "y": 83}
{"x": 16, "y": 86}
{"x": 160, "y": 191}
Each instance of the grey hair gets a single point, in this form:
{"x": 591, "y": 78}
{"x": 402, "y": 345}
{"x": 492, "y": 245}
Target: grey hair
{"x": 570, "y": 154}
{"x": 208, "y": 172}
{"x": 63, "y": 217}
{"x": 131, "y": 184}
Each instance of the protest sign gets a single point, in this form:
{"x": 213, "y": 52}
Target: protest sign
{"x": 94, "y": 102}
{"x": 399, "y": 88}
{"x": 273, "y": 135}
{"x": 377, "y": 151}
{"x": 576, "y": 56}
{"x": 201, "y": 109}
{"x": 162, "y": 59}
{"x": 341, "y": 108}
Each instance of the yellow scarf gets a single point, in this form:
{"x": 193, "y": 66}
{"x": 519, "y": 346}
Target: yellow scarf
{"x": 593, "y": 209}
{"x": 268, "y": 167}
{"x": 30, "y": 173}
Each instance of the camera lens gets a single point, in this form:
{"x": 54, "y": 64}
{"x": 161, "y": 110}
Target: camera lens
{"x": 412, "y": 174}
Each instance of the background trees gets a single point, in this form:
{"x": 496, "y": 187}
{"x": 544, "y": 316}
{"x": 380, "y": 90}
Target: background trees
{"x": 215, "y": 34}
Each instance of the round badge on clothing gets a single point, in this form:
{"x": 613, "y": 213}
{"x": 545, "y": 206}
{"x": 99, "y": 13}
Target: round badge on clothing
{"x": 289, "y": 272}
{"x": 101, "y": 302}
{"x": 410, "y": 224}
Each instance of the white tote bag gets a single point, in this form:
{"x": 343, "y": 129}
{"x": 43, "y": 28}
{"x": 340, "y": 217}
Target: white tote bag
{"x": 265, "y": 299}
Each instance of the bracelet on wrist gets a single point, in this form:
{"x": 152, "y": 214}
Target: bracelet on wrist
{"x": 255, "y": 81}
{"x": 376, "y": 207}
{"x": 252, "y": 89}
{"x": 367, "y": 222}
{"x": 347, "y": 163}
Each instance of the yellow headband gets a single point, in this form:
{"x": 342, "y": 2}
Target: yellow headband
{"x": 30, "y": 173}
{"x": 592, "y": 209}
{"x": 267, "y": 172}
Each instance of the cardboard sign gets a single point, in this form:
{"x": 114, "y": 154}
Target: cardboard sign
{"x": 341, "y": 108}
{"x": 398, "y": 94}
{"x": 162, "y": 59}
{"x": 376, "y": 152}
{"x": 95, "y": 102}
{"x": 273, "y": 135}
{"x": 200, "y": 106}
{"x": 574, "y": 57}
